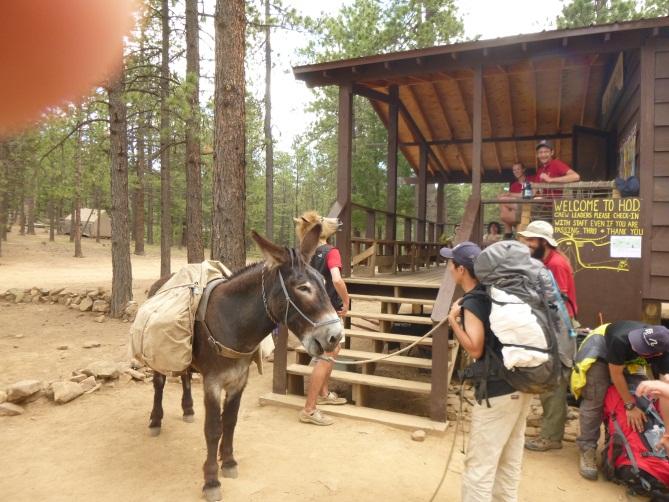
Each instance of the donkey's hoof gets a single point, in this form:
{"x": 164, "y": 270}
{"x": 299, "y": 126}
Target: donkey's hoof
{"x": 212, "y": 494}
{"x": 189, "y": 418}
{"x": 154, "y": 431}
{"x": 229, "y": 472}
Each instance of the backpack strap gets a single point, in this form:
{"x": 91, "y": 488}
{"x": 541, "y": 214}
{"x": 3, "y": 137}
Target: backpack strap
{"x": 630, "y": 455}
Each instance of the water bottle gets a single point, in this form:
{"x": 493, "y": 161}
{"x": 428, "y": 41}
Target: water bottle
{"x": 527, "y": 190}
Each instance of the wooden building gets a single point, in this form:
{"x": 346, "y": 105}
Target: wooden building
{"x": 466, "y": 112}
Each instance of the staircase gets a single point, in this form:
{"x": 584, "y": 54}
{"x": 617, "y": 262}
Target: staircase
{"x": 378, "y": 390}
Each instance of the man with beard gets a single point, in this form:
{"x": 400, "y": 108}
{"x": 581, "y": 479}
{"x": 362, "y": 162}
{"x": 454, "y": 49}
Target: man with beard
{"x": 539, "y": 238}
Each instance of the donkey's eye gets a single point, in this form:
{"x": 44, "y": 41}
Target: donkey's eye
{"x": 304, "y": 288}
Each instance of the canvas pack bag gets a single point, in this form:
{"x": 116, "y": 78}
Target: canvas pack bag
{"x": 162, "y": 334}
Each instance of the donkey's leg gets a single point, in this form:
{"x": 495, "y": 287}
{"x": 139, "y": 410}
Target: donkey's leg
{"x": 157, "y": 411}
{"x": 229, "y": 416}
{"x": 187, "y": 397}
{"x": 212, "y": 434}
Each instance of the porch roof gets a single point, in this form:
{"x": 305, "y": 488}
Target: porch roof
{"x": 535, "y": 86}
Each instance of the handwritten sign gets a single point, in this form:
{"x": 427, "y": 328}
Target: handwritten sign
{"x": 596, "y": 218}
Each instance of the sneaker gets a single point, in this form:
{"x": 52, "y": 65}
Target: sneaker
{"x": 588, "y": 464}
{"x": 315, "y": 417}
{"x": 542, "y": 444}
{"x": 331, "y": 398}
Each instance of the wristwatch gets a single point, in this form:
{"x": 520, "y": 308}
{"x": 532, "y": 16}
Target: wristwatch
{"x": 630, "y": 406}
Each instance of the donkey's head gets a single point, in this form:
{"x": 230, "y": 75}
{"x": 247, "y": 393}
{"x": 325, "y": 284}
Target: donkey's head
{"x": 294, "y": 293}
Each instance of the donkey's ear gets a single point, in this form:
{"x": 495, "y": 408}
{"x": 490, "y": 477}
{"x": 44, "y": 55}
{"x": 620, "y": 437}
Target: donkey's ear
{"x": 274, "y": 255}
{"x": 310, "y": 242}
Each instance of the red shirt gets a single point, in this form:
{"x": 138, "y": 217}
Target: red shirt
{"x": 564, "y": 276}
{"x": 555, "y": 169}
{"x": 333, "y": 259}
{"x": 515, "y": 187}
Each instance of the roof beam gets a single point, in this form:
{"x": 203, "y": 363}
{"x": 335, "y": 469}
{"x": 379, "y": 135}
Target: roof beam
{"x": 423, "y": 117}
{"x": 487, "y": 176}
{"x": 449, "y": 130}
{"x": 533, "y": 99}
{"x": 417, "y": 134}
{"x": 507, "y": 87}
{"x": 559, "y": 101}
{"x": 584, "y": 99}
{"x": 500, "y": 139}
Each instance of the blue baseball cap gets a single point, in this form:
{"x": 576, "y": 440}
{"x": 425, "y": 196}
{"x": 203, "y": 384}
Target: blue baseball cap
{"x": 649, "y": 340}
{"x": 463, "y": 254}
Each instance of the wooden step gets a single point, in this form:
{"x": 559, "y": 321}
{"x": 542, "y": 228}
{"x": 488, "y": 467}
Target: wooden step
{"x": 391, "y": 299}
{"x": 413, "y": 362}
{"x": 409, "y": 319}
{"x": 390, "y": 418}
{"x": 366, "y": 380}
{"x": 386, "y": 337}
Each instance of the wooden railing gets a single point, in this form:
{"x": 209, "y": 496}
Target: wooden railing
{"x": 413, "y": 228}
{"x": 384, "y": 256}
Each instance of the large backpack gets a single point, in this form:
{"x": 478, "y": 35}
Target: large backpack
{"x": 319, "y": 262}
{"x": 525, "y": 318}
{"x": 629, "y": 457}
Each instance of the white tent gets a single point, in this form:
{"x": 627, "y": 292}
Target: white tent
{"x": 89, "y": 223}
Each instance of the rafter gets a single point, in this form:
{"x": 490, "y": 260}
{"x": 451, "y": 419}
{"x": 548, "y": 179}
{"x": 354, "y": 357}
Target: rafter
{"x": 507, "y": 86}
{"x": 486, "y": 112}
{"x": 449, "y": 130}
{"x": 533, "y": 99}
{"x": 464, "y": 105}
{"x": 584, "y": 99}
{"x": 423, "y": 117}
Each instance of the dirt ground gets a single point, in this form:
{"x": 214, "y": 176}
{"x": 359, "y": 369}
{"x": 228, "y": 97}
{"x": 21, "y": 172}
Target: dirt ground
{"x": 97, "y": 447}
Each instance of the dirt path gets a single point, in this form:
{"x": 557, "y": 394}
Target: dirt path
{"x": 97, "y": 447}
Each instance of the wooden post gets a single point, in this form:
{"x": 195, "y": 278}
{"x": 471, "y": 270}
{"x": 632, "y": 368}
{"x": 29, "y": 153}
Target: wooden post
{"x": 476, "y": 131}
{"x": 422, "y": 193}
{"x": 439, "y": 389}
{"x": 344, "y": 174}
{"x": 407, "y": 229}
{"x": 440, "y": 209}
{"x": 371, "y": 224}
{"x": 281, "y": 361}
{"x": 391, "y": 205}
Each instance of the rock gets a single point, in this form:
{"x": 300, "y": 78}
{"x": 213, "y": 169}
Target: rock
{"x": 3, "y": 396}
{"x": 125, "y": 378}
{"x": 19, "y": 391}
{"x": 62, "y": 347}
{"x": 55, "y": 291}
{"x": 136, "y": 375}
{"x": 90, "y": 344}
{"x": 76, "y": 300}
{"x": 534, "y": 420}
{"x": 570, "y": 438}
{"x": 86, "y": 304}
{"x": 532, "y": 431}
{"x": 64, "y": 392}
{"x": 100, "y": 318}
{"x": 19, "y": 336}
{"x": 79, "y": 378}
{"x": 97, "y": 386}
{"x": 35, "y": 292}
{"x": 18, "y": 296}
{"x": 102, "y": 369}
{"x": 44, "y": 292}
{"x": 418, "y": 435}
{"x": 65, "y": 301}
{"x": 36, "y": 299}
{"x": 135, "y": 364}
{"x": 10, "y": 409}
{"x": 92, "y": 293}
{"x": 100, "y": 306}
{"x": 131, "y": 309}
{"x": 88, "y": 383}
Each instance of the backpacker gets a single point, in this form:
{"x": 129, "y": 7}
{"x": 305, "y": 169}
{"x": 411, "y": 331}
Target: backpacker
{"x": 629, "y": 457}
{"x": 319, "y": 262}
{"x": 162, "y": 334}
{"x": 524, "y": 318}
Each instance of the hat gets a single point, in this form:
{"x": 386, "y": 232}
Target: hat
{"x": 545, "y": 143}
{"x": 463, "y": 254}
{"x": 649, "y": 340}
{"x": 540, "y": 230}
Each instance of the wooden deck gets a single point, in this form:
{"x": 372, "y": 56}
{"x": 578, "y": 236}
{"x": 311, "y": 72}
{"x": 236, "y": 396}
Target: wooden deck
{"x": 429, "y": 279}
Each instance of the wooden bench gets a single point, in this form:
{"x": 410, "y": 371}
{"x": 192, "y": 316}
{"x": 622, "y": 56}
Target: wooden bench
{"x": 412, "y": 362}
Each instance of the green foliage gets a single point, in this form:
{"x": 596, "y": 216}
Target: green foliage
{"x": 578, "y": 13}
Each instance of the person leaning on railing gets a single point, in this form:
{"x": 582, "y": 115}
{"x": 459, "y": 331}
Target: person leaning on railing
{"x": 509, "y": 214}
{"x": 552, "y": 170}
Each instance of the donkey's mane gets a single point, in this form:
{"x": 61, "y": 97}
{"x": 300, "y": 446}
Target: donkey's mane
{"x": 244, "y": 269}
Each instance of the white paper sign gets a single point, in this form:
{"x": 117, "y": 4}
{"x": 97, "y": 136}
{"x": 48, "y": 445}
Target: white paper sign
{"x": 625, "y": 246}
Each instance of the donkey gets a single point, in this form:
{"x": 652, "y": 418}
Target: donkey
{"x": 240, "y": 313}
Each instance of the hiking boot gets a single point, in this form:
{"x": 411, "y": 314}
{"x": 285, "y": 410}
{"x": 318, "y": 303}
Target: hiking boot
{"x": 542, "y": 444}
{"x": 588, "y": 464}
{"x": 331, "y": 398}
{"x": 315, "y": 417}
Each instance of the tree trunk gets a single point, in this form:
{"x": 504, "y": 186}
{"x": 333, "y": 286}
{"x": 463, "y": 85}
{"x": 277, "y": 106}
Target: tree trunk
{"x": 52, "y": 220}
{"x": 73, "y": 208}
{"x": 165, "y": 190}
{"x": 76, "y": 217}
{"x": 22, "y": 216}
{"x": 121, "y": 265}
{"x": 138, "y": 213}
{"x": 269, "y": 145}
{"x": 229, "y": 173}
{"x": 194, "y": 244}
{"x": 30, "y": 210}
{"x": 149, "y": 215}
{"x": 4, "y": 174}
{"x": 98, "y": 203}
